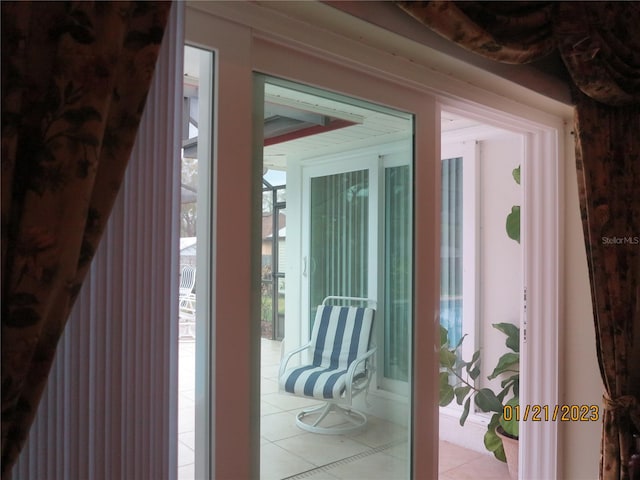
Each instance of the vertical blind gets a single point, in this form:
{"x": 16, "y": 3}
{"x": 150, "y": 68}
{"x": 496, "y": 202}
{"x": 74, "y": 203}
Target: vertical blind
{"x": 338, "y": 259}
{"x": 397, "y": 271}
{"x": 451, "y": 249}
{"x": 109, "y": 408}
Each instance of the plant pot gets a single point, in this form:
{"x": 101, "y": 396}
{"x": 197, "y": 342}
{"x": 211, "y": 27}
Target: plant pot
{"x": 510, "y": 446}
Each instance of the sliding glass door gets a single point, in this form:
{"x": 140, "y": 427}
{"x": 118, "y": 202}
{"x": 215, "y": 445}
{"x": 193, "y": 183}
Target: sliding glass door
{"x": 348, "y": 165}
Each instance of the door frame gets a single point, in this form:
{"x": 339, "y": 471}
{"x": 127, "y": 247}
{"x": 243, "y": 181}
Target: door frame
{"x": 376, "y": 160}
{"x": 253, "y": 37}
{"x": 294, "y": 65}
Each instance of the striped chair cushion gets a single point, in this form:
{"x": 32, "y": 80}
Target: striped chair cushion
{"x": 339, "y": 336}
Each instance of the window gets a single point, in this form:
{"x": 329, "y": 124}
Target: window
{"x": 451, "y": 251}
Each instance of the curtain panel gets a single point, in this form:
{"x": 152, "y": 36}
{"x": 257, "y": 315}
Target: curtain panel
{"x": 608, "y": 164}
{"x": 599, "y": 44}
{"x": 75, "y": 76}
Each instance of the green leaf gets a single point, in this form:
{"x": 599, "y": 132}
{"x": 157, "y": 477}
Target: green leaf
{"x": 510, "y": 381}
{"x": 465, "y": 411}
{"x": 473, "y": 367}
{"x": 461, "y": 392}
{"x": 446, "y": 390}
{"x": 492, "y": 441}
{"x": 513, "y": 223}
{"x": 444, "y": 336}
{"x": 516, "y": 174}
{"x": 513, "y": 335}
{"x": 511, "y": 427}
{"x": 446, "y": 395}
{"x": 487, "y": 401}
{"x": 460, "y": 341}
{"x": 447, "y": 358}
{"x": 474, "y": 359}
{"x": 494, "y": 422}
{"x": 502, "y": 394}
{"x": 505, "y": 363}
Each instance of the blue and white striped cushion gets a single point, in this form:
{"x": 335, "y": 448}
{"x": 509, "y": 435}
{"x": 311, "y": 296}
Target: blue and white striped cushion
{"x": 339, "y": 336}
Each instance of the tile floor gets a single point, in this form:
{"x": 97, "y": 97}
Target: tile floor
{"x": 380, "y": 452}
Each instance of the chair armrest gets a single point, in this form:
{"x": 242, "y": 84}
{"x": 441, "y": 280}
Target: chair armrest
{"x": 287, "y": 357}
{"x": 352, "y": 370}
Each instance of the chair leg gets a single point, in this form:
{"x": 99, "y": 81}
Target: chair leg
{"x": 356, "y": 419}
{"x": 325, "y": 411}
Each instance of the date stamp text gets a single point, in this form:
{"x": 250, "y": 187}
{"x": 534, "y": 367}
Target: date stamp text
{"x": 551, "y": 413}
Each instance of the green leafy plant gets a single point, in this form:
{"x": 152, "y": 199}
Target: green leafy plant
{"x": 458, "y": 381}
{"x": 513, "y": 219}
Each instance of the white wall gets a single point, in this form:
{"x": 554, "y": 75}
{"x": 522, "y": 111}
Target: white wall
{"x": 499, "y": 261}
{"x": 500, "y": 278}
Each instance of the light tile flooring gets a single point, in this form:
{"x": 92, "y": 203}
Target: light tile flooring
{"x": 380, "y": 452}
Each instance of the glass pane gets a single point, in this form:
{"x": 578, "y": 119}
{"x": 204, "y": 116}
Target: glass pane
{"x": 451, "y": 249}
{"x": 282, "y": 235}
{"x": 280, "y": 266}
{"x": 269, "y": 227}
{"x": 397, "y": 272}
{"x": 339, "y": 236}
{"x": 333, "y": 151}
{"x": 195, "y": 228}
{"x": 266, "y": 309}
{"x": 279, "y": 333}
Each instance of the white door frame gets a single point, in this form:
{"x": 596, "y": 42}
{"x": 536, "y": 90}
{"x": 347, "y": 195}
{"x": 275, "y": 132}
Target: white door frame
{"x": 250, "y": 37}
{"x": 276, "y": 60}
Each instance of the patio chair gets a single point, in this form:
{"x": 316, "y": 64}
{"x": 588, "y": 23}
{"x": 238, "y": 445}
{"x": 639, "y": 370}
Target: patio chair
{"x": 187, "y": 280}
{"x": 341, "y": 367}
{"x": 187, "y": 302}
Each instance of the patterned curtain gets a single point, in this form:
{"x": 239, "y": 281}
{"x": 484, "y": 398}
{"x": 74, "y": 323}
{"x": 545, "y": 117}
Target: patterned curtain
{"x": 600, "y": 46}
{"x": 608, "y": 161}
{"x": 74, "y": 81}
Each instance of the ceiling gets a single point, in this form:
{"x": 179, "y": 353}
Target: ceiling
{"x": 360, "y": 125}
{"x": 301, "y": 122}
{"x": 366, "y": 124}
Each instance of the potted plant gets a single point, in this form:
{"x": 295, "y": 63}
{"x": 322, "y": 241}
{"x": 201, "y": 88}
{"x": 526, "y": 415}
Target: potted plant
{"x": 458, "y": 381}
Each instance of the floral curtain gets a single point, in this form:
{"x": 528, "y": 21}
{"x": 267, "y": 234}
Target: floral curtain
{"x": 600, "y": 46}
{"x": 75, "y": 76}
{"x": 608, "y": 161}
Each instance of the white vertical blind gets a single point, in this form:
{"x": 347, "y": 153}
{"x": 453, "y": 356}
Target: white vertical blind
{"x": 451, "y": 249}
{"x": 109, "y": 408}
{"x": 339, "y": 236}
{"x": 397, "y": 271}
